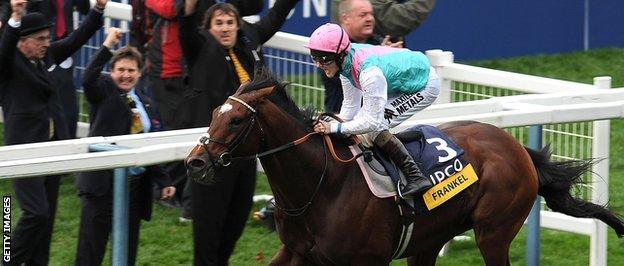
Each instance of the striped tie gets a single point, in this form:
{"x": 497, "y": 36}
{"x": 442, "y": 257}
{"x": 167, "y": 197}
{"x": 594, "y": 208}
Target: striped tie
{"x": 240, "y": 71}
{"x": 135, "y": 126}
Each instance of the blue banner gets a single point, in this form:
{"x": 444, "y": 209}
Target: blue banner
{"x": 488, "y": 29}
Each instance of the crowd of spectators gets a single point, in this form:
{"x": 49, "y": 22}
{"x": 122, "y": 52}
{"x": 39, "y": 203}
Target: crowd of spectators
{"x": 196, "y": 53}
{"x": 33, "y": 112}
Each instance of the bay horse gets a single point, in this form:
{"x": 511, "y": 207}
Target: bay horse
{"x": 326, "y": 214}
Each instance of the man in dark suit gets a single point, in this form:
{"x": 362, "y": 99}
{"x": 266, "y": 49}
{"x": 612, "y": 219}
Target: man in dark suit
{"x": 32, "y": 113}
{"x": 221, "y": 55}
{"x": 166, "y": 71}
{"x": 117, "y": 108}
{"x": 60, "y": 13}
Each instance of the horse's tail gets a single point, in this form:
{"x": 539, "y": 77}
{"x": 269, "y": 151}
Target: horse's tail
{"x": 555, "y": 180}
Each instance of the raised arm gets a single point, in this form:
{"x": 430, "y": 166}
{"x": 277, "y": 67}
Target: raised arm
{"x": 190, "y": 39}
{"x": 8, "y": 47}
{"x": 96, "y": 86}
{"x": 66, "y": 47}
{"x": 248, "y": 7}
{"x": 82, "y": 6}
{"x": 5, "y": 12}
{"x": 274, "y": 19}
{"x": 10, "y": 37}
{"x": 399, "y": 19}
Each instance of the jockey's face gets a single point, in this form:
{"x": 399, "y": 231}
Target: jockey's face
{"x": 330, "y": 69}
{"x": 125, "y": 73}
{"x": 224, "y": 27}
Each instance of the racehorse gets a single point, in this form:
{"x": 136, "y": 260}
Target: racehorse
{"x": 326, "y": 214}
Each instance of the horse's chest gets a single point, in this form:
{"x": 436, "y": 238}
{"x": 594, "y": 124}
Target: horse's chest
{"x": 323, "y": 246}
{"x": 317, "y": 253}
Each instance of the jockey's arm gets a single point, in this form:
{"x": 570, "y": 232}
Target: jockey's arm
{"x": 371, "y": 115}
{"x": 351, "y": 101}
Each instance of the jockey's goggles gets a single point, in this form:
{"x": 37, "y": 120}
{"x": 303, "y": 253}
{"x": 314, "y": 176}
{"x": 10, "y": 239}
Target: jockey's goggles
{"x": 323, "y": 58}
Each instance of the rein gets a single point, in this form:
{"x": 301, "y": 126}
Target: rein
{"x": 294, "y": 212}
{"x": 288, "y": 145}
{"x": 330, "y": 145}
{"x": 327, "y": 142}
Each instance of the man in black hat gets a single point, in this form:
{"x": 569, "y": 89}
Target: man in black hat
{"x": 60, "y": 12}
{"x": 32, "y": 113}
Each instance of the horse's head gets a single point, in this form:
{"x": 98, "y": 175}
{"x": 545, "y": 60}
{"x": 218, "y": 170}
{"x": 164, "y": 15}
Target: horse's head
{"x": 229, "y": 132}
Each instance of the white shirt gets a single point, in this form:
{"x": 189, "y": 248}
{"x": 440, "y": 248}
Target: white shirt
{"x": 14, "y": 24}
{"x": 368, "y": 117}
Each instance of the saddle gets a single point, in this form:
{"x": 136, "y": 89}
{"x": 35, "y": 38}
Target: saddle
{"x": 440, "y": 161}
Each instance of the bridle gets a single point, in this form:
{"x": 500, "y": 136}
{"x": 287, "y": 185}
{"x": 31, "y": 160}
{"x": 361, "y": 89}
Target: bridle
{"x": 225, "y": 158}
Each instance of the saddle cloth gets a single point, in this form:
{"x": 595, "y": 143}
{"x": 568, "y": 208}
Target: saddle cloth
{"x": 438, "y": 156}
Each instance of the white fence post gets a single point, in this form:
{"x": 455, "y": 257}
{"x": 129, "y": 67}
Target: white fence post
{"x": 437, "y": 59}
{"x": 600, "y": 181}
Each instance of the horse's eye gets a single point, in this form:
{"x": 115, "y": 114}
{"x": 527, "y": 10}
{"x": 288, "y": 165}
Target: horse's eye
{"x": 236, "y": 121}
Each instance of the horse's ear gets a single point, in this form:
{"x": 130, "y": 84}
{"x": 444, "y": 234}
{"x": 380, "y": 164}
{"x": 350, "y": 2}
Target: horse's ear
{"x": 240, "y": 88}
{"x": 265, "y": 91}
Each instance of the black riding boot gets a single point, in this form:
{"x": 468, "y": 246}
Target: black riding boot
{"x": 416, "y": 181}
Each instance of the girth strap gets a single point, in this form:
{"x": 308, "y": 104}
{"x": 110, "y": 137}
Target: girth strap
{"x": 406, "y": 236}
{"x": 407, "y": 224}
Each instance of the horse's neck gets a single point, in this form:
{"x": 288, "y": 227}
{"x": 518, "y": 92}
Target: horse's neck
{"x": 294, "y": 173}
{"x": 295, "y": 169}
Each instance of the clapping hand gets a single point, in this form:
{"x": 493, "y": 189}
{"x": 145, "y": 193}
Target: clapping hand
{"x": 113, "y": 37}
{"x": 387, "y": 42}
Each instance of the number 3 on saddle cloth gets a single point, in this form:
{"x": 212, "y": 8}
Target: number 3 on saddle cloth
{"x": 440, "y": 161}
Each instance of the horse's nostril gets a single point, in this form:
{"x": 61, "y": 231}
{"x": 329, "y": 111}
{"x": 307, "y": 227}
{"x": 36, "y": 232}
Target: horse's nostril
{"x": 196, "y": 163}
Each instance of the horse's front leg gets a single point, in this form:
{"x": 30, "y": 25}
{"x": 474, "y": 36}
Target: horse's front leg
{"x": 282, "y": 257}
{"x": 285, "y": 257}
{"x": 369, "y": 261}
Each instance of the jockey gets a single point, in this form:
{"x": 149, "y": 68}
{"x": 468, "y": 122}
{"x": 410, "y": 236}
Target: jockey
{"x": 382, "y": 87}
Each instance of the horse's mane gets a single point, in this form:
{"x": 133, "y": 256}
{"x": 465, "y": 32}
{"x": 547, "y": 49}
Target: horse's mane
{"x": 263, "y": 78}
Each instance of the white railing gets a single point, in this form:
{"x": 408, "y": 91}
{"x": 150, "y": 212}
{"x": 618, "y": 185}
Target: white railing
{"x": 564, "y": 102}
